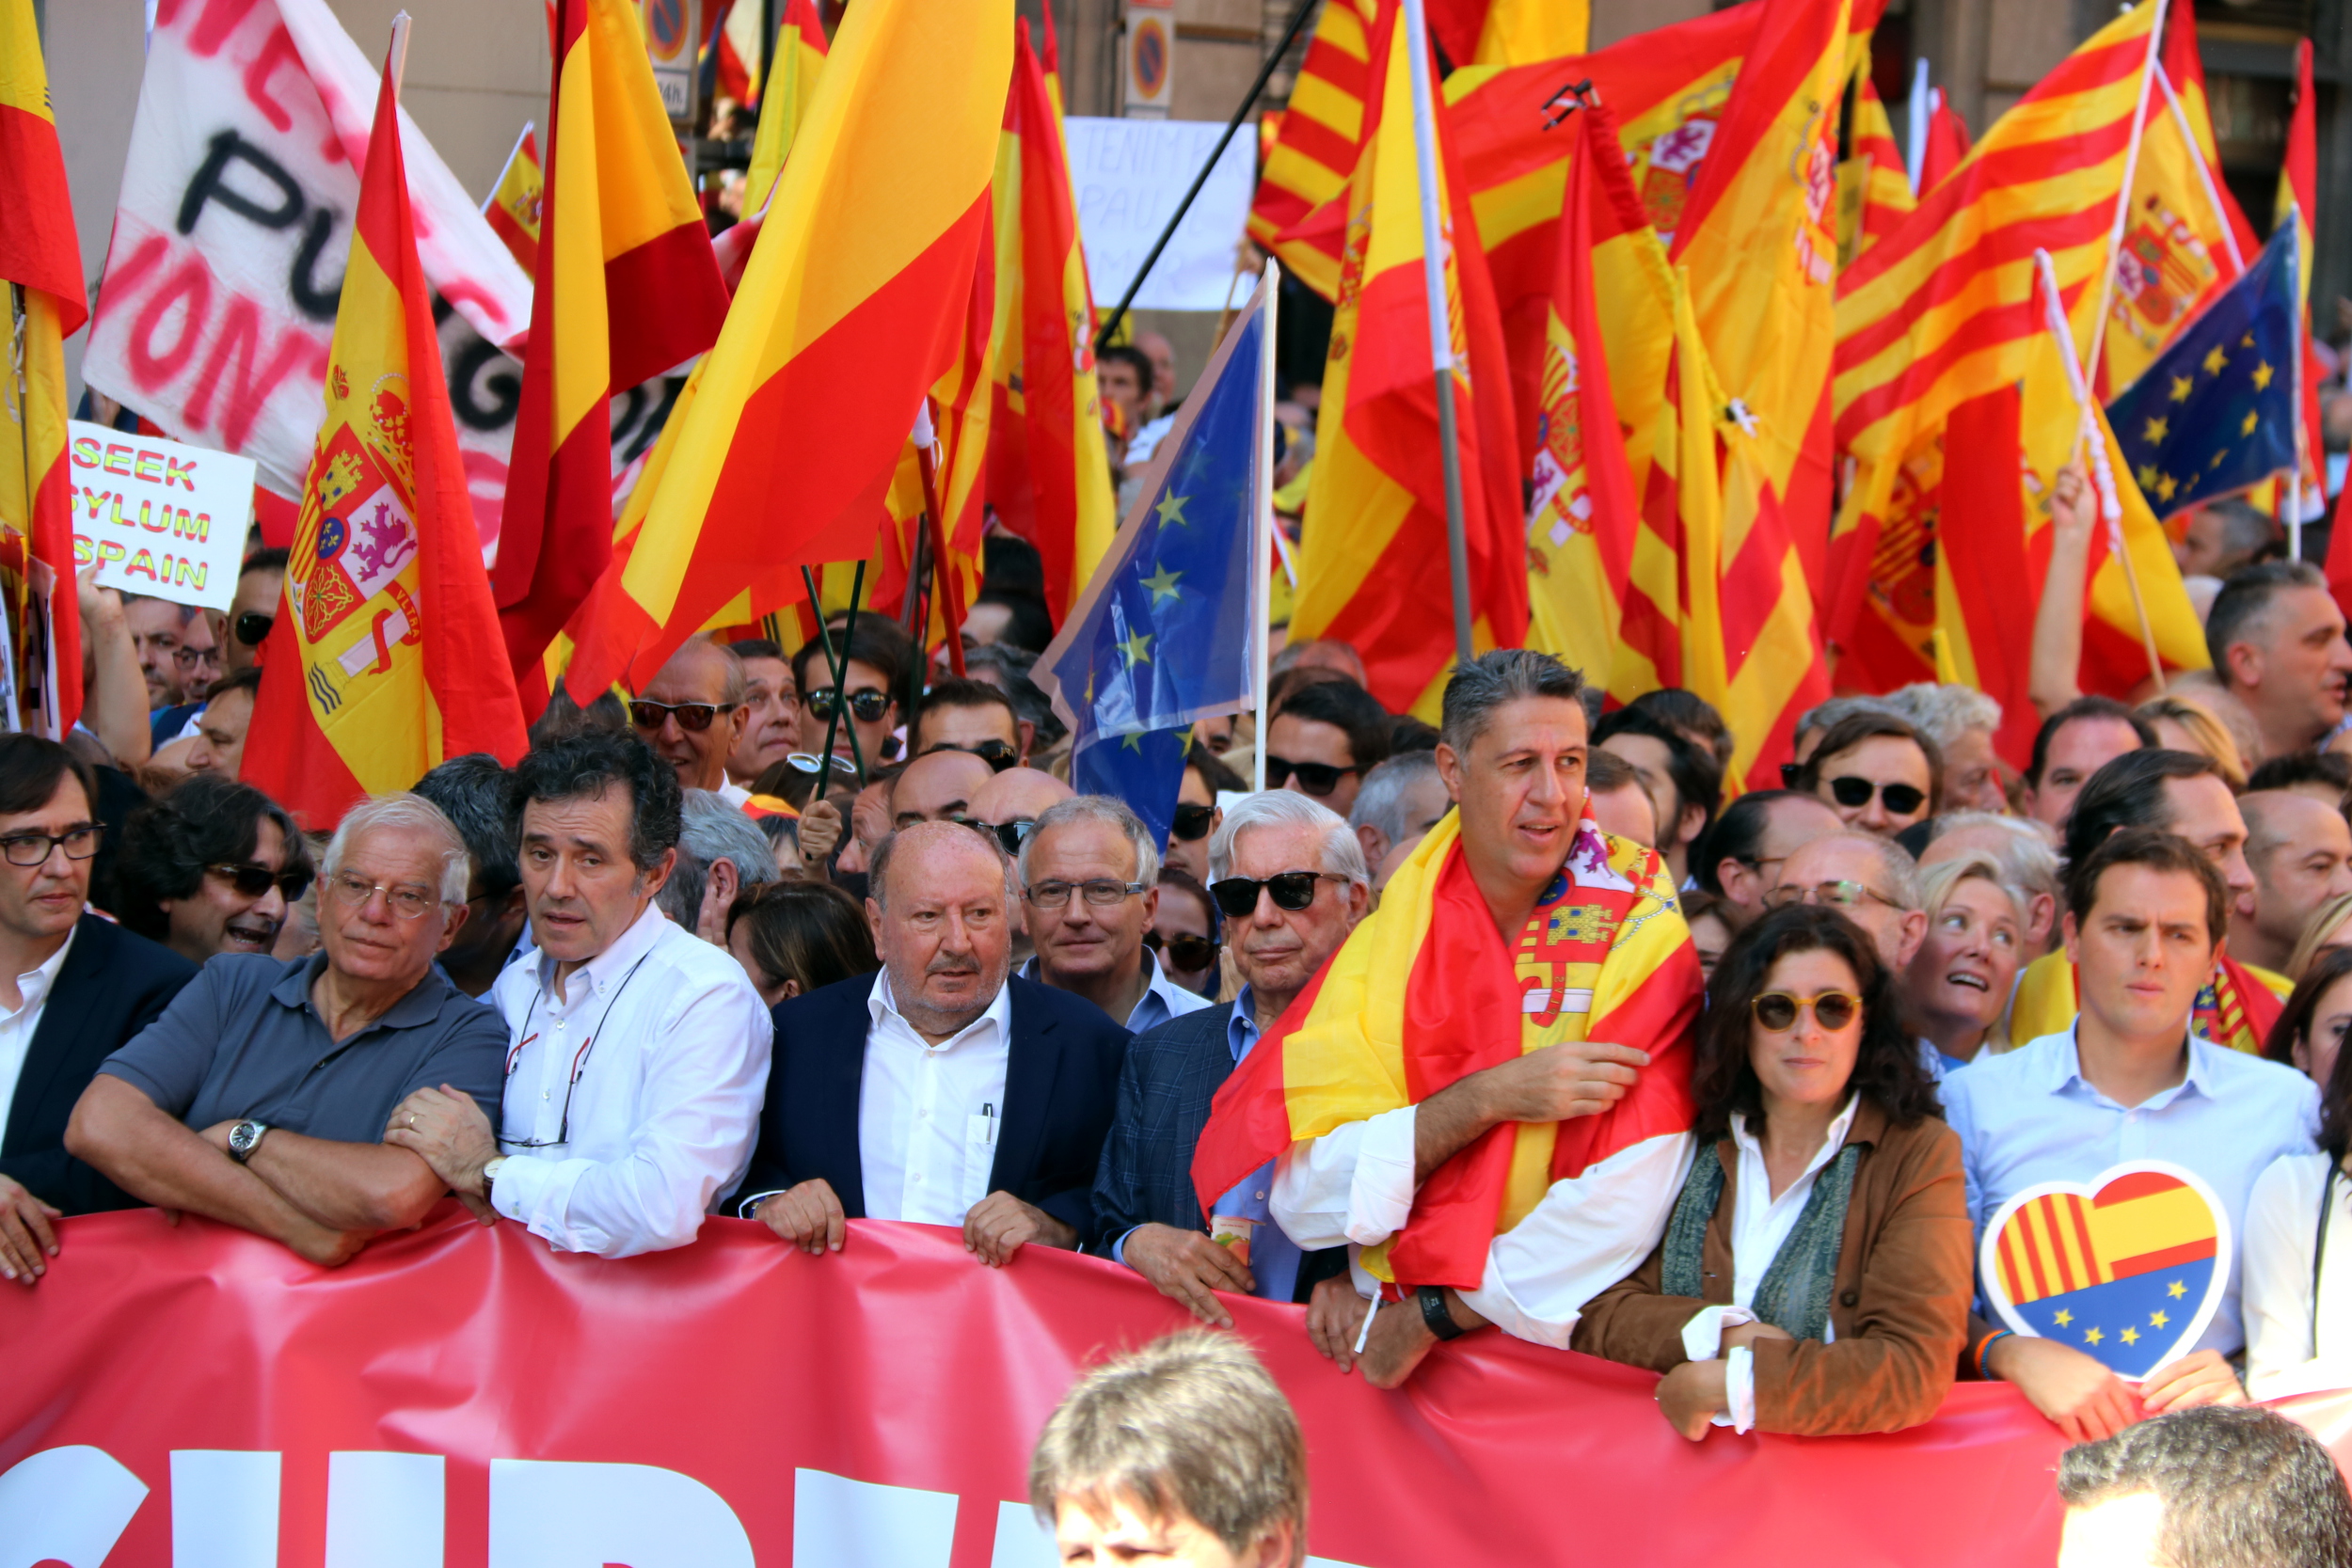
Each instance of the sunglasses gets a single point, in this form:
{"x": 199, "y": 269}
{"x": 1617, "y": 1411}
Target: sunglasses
{"x": 252, "y": 626}
{"x": 1290, "y": 890}
{"x": 1853, "y": 793}
{"x": 1316, "y": 778}
{"x": 867, "y": 706}
{"x": 808, "y": 762}
{"x": 694, "y": 718}
{"x": 1776, "y": 1011}
{"x": 1011, "y": 835}
{"x": 998, "y": 756}
{"x": 252, "y": 880}
{"x": 1193, "y": 822}
{"x": 1184, "y": 953}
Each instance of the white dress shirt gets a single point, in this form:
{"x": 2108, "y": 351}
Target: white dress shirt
{"x": 1760, "y": 1225}
{"x": 929, "y": 1115}
{"x": 659, "y": 1047}
{"x": 17, "y": 1028}
{"x": 1162, "y": 999}
{"x": 732, "y": 793}
{"x": 2282, "y": 1228}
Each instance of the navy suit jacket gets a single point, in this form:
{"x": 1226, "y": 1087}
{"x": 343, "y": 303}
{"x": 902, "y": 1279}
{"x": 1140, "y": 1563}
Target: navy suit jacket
{"x": 1172, "y": 1073}
{"x": 112, "y": 986}
{"x": 1061, "y": 1074}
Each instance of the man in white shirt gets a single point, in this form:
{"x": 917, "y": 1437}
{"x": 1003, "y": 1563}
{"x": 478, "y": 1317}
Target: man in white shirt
{"x": 636, "y": 1054}
{"x": 969, "y": 1098}
{"x": 1089, "y": 889}
{"x": 693, "y": 713}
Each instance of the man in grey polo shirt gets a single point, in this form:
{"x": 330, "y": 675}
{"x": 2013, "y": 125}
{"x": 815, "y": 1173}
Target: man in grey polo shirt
{"x": 260, "y": 1097}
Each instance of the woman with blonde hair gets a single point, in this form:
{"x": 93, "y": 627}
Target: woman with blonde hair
{"x": 1955, "y": 991}
{"x": 2330, "y": 925}
{"x": 2191, "y": 723}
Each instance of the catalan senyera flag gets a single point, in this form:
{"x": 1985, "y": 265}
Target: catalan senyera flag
{"x": 849, "y": 312}
{"x": 385, "y": 659}
{"x": 1314, "y": 149}
{"x": 784, "y": 102}
{"x": 1049, "y": 468}
{"x": 626, "y": 289}
{"x": 1873, "y": 183}
{"x": 512, "y": 207}
{"x": 39, "y": 255}
{"x": 1424, "y": 991}
{"x": 1374, "y": 556}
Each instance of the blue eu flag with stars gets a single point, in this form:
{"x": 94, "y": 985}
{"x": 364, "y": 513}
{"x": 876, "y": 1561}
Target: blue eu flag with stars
{"x": 2215, "y": 412}
{"x": 1163, "y": 635}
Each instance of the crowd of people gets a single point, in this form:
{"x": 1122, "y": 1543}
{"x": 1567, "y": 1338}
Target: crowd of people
{"x": 683, "y": 960}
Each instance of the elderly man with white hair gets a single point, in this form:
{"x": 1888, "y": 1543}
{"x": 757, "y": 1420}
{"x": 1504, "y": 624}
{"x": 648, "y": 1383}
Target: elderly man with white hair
{"x": 1961, "y": 722}
{"x": 1091, "y": 890}
{"x": 260, "y": 1097}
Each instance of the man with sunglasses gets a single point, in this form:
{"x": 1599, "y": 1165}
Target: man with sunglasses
{"x": 211, "y": 868}
{"x": 875, "y": 661}
{"x": 1089, "y": 891}
{"x": 260, "y": 1097}
{"x": 693, "y": 714}
{"x": 1197, "y": 815}
{"x": 1323, "y": 741}
{"x": 1292, "y": 884}
{"x": 1008, "y": 806}
{"x": 74, "y": 986}
{"x": 972, "y": 716}
{"x": 261, "y": 584}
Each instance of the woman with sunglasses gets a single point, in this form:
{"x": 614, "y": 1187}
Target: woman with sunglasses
{"x": 1877, "y": 773}
{"x": 2298, "y": 1285}
{"x": 212, "y": 867}
{"x": 1184, "y": 933}
{"x": 1816, "y": 1273}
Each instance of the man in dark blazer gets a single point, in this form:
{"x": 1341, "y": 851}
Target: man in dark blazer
{"x": 72, "y": 987}
{"x": 938, "y": 1090}
{"x": 1146, "y": 1212}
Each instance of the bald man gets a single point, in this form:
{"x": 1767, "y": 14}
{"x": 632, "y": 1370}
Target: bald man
{"x": 2300, "y": 852}
{"x": 937, "y": 787}
{"x": 693, "y": 714}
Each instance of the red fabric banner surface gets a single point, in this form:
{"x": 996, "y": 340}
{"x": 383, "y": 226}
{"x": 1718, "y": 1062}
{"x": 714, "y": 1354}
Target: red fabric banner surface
{"x": 201, "y": 1398}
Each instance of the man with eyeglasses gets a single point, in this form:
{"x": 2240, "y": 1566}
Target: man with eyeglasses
{"x": 693, "y": 714}
{"x": 196, "y": 663}
{"x": 212, "y": 867}
{"x": 1872, "y": 881}
{"x": 1291, "y": 884}
{"x": 74, "y": 986}
{"x": 159, "y": 631}
{"x": 260, "y": 1097}
{"x": 1008, "y": 806}
{"x": 972, "y": 716}
{"x": 635, "y": 1054}
{"x": 1089, "y": 890}
{"x": 1325, "y": 740}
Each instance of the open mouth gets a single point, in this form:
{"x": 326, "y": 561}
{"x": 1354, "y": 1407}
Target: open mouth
{"x": 1973, "y": 982}
{"x": 256, "y": 935}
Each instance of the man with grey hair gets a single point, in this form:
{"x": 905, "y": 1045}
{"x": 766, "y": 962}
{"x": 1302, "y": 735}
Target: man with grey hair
{"x": 1961, "y": 722}
{"x": 1290, "y": 878}
{"x": 2021, "y": 846}
{"x": 943, "y": 1089}
{"x": 260, "y": 1097}
{"x": 719, "y": 853}
{"x": 1401, "y": 800}
{"x": 1089, "y": 890}
{"x": 1872, "y": 880}
{"x": 2278, "y": 645}
{"x": 693, "y": 713}
{"x": 636, "y": 1056}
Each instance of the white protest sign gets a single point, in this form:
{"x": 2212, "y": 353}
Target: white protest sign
{"x": 1128, "y": 176}
{"x": 153, "y": 516}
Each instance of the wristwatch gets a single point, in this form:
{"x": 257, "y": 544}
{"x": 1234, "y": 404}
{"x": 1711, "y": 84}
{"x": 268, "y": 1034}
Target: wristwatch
{"x": 244, "y": 1138}
{"x": 490, "y": 1169}
{"x": 1435, "y": 1314}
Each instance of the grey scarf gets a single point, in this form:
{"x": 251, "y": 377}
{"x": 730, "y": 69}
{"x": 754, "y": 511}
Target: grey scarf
{"x": 1794, "y": 1294}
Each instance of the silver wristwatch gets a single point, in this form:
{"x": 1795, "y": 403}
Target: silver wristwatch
{"x": 244, "y": 1138}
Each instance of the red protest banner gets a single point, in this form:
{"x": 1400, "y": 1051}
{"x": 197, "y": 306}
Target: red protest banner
{"x": 468, "y": 1397}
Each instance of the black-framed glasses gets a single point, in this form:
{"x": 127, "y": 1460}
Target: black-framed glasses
{"x": 79, "y": 842}
{"x": 694, "y": 718}
{"x": 1853, "y": 791}
{"x": 1193, "y": 822}
{"x": 1290, "y": 890}
{"x": 251, "y": 628}
{"x": 188, "y": 658}
{"x": 866, "y": 706}
{"x": 1184, "y": 952}
{"x": 1010, "y": 835}
{"x": 1776, "y": 1011}
{"x": 1102, "y": 892}
{"x": 1840, "y": 894}
{"x": 997, "y": 754}
{"x": 408, "y": 900}
{"x": 1316, "y": 778}
{"x": 252, "y": 880}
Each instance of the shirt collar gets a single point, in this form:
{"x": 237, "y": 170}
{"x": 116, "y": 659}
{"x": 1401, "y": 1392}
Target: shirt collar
{"x": 1242, "y": 1033}
{"x": 45, "y": 974}
{"x": 2067, "y": 1070}
{"x": 1171, "y": 994}
{"x": 421, "y": 1004}
{"x": 882, "y": 1003}
{"x": 1831, "y": 1144}
{"x": 604, "y": 970}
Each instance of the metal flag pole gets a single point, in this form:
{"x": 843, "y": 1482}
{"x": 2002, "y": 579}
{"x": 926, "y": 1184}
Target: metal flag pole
{"x": 1433, "y": 244}
{"x": 839, "y": 665}
{"x": 2302, "y": 332}
{"x": 1261, "y": 628}
{"x": 1916, "y": 155}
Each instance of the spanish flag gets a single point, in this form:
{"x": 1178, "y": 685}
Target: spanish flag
{"x": 851, "y": 311}
{"x": 1314, "y": 146}
{"x": 791, "y": 88}
{"x": 385, "y": 658}
{"x": 1873, "y": 186}
{"x": 1374, "y": 556}
{"x": 512, "y": 209}
{"x": 1427, "y": 991}
{"x": 626, "y": 289}
{"x": 41, "y": 261}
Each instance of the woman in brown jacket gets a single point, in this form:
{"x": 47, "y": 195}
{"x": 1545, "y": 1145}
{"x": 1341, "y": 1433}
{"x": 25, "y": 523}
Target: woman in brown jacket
{"x": 1816, "y": 1273}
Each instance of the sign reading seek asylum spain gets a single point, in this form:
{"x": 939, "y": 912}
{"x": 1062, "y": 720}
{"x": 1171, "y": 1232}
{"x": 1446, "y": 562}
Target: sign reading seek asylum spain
{"x": 156, "y": 518}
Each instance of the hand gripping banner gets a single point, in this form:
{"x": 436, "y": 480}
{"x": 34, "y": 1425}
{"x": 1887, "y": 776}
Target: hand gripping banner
{"x": 201, "y": 1397}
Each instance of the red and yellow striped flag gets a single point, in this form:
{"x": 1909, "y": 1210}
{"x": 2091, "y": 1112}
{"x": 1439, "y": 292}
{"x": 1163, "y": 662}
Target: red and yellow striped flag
{"x": 851, "y": 311}
{"x": 1509, "y": 32}
{"x": 41, "y": 260}
{"x": 790, "y": 89}
{"x": 513, "y": 210}
{"x": 1049, "y": 469}
{"x": 1314, "y": 147}
{"x": 626, "y": 289}
{"x": 385, "y": 659}
{"x": 1873, "y": 184}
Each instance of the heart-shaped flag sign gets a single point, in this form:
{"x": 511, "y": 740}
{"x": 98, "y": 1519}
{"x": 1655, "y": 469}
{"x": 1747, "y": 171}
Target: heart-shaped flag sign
{"x": 2127, "y": 1267}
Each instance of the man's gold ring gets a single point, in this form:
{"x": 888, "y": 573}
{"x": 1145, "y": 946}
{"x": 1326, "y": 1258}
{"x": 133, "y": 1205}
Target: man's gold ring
{"x": 413, "y": 1119}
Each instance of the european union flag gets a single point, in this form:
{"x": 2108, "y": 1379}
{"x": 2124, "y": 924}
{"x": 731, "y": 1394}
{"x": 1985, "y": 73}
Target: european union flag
{"x": 2215, "y": 412}
{"x": 1166, "y": 633}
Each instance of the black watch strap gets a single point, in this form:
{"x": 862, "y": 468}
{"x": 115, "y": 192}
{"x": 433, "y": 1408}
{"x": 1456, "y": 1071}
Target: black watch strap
{"x": 1435, "y": 1313}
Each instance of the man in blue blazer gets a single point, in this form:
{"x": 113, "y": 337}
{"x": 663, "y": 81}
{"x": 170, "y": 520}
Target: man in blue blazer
{"x": 938, "y": 1090}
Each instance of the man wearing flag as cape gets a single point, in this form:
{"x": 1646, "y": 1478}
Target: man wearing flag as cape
{"x": 1486, "y": 1091}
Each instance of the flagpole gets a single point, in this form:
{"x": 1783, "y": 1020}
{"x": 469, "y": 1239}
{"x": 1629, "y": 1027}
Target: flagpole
{"x": 2302, "y": 336}
{"x": 2123, "y": 197}
{"x": 2204, "y": 172}
{"x": 1260, "y": 622}
{"x": 936, "y": 528}
{"x": 1916, "y": 155}
{"x": 840, "y": 668}
{"x": 529, "y": 126}
{"x": 1440, "y": 329}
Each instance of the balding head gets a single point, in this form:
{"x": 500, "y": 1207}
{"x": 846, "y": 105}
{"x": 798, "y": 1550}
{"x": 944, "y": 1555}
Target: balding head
{"x": 2300, "y": 853}
{"x": 1018, "y": 795}
{"x": 1881, "y": 894}
{"x": 937, "y": 787}
{"x": 940, "y": 902}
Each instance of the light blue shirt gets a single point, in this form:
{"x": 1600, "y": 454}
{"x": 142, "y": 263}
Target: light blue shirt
{"x": 1162, "y": 1000}
{"x": 2029, "y": 1117}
